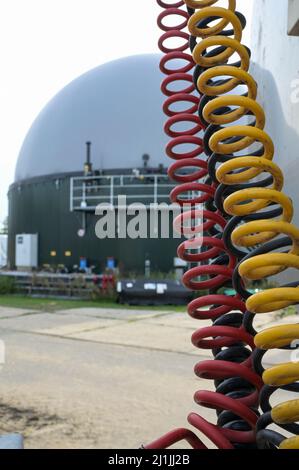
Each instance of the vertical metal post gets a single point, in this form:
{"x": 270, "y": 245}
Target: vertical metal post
{"x": 112, "y": 190}
{"x": 84, "y": 192}
{"x": 71, "y": 194}
{"x": 88, "y": 148}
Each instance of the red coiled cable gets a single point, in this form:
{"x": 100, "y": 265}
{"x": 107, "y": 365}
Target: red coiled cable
{"x": 237, "y": 386}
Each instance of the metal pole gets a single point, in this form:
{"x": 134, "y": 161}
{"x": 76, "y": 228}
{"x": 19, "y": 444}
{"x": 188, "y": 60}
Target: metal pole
{"x": 71, "y": 194}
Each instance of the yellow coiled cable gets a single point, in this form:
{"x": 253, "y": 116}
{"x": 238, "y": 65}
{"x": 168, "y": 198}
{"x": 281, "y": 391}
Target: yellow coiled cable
{"x": 245, "y": 169}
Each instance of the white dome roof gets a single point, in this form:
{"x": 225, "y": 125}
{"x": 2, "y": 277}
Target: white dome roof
{"x": 117, "y": 106}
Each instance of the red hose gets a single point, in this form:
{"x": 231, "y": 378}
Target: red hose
{"x": 190, "y": 167}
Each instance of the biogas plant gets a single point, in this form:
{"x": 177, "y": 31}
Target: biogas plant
{"x": 58, "y": 184}
{"x": 96, "y": 144}
{"x": 228, "y": 162}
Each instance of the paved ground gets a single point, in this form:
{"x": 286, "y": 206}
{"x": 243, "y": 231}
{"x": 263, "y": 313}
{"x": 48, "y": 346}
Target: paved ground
{"x": 97, "y": 378}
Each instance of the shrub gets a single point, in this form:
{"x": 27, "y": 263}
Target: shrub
{"x": 288, "y": 312}
{"x": 7, "y": 285}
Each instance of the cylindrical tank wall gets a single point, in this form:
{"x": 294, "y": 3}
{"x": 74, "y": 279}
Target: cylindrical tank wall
{"x": 43, "y": 207}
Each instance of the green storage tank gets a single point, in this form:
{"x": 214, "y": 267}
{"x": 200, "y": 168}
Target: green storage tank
{"x": 117, "y": 107}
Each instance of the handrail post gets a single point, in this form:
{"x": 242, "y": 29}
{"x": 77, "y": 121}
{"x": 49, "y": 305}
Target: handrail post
{"x": 112, "y": 190}
{"x": 71, "y": 194}
{"x": 156, "y": 190}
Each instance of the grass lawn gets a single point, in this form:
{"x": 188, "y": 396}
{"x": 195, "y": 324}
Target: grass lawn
{"x": 53, "y": 305}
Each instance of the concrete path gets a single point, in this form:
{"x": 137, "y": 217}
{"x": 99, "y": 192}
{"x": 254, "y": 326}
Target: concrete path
{"x": 96, "y": 378}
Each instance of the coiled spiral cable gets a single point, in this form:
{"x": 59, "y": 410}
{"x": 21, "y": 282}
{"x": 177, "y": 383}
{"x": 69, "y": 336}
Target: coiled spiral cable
{"x": 237, "y": 386}
{"x": 247, "y": 224}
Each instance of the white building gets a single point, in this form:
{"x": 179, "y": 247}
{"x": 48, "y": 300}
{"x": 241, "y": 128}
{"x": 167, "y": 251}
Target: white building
{"x": 275, "y": 57}
{"x": 275, "y": 67}
{"x": 3, "y": 251}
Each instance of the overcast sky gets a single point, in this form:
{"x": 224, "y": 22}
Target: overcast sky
{"x": 45, "y": 44}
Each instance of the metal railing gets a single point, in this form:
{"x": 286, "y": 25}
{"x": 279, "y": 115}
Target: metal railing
{"x": 86, "y": 193}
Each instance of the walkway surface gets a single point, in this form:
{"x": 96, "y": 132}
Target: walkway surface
{"x": 98, "y": 378}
